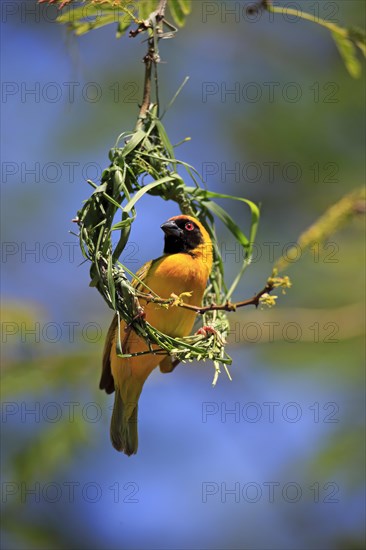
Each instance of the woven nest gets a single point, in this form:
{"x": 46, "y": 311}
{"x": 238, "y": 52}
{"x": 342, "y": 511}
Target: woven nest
{"x": 144, "y": 162}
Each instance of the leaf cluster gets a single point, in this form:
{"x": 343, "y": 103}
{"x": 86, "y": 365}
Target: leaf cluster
{"x": 82, "y": 16}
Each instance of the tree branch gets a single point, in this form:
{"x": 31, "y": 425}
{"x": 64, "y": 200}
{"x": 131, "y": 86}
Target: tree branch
{"x": 151, "y": 58}
{"x": 228, "y": 306}
{"x": 160, "y": 12}
{"x": 148, "y": 60}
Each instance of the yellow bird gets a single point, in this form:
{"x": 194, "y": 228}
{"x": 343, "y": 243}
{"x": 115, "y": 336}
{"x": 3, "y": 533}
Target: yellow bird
{"x": 184, "y": 267}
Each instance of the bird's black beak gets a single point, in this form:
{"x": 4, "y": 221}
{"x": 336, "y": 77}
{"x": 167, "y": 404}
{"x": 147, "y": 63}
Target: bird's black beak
{"x": 171, "y": 228}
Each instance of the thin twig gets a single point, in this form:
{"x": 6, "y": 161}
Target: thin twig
{"x": 151, "y": 58}
{"x": 160, "y": 12}
{"x": 228, "y": 306}
{"x": 148, "y": 60}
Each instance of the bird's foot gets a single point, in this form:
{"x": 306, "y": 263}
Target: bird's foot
{"x": 206, "y": 331}
{"x": 139, "y": 315}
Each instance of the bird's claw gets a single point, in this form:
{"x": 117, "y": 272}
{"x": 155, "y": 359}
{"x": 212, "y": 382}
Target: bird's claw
{"x": 140, "y": 315}
{"x": 206, "y": 331}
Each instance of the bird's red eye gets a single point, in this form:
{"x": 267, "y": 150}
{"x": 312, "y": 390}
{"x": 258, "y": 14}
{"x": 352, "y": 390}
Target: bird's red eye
{"x": 189, "y": 226}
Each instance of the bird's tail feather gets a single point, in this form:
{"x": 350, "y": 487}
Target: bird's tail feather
{"x": 124, "y": 426}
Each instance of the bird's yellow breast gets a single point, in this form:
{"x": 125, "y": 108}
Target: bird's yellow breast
{"x": 176, "y": 273}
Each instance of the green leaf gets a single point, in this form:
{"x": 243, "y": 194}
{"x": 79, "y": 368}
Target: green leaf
{"x": 344, "y": 38}
{"x": 348, "y": 52}
{"x": 144, "y": 190}
{"x": 123, "y": 25}
{"x": 358, "y": 36}
{"x": 186, "y": 6}
{"x": 83, "y": 28}
{"x": 146, "y": 7}
{"x": 111, "y": 285}
{"x": 126, "y": 222}
{"x": 125, "y": 233}
{"x": 112, "y": 201}
{"x": 177, "y": 12}
{"x": 175, "y": 96}
{"x": 82, "y": 19}
{"x": 230, "y": 224}
{"x": 133, "y": 143}
{"x": 73, "y": 15}
{"x": 165, "y": 140}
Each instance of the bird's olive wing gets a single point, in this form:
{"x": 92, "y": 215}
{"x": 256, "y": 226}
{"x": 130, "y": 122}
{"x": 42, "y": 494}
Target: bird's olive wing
{"x": 141, "y": 275}
{"x": 106, "y": 380}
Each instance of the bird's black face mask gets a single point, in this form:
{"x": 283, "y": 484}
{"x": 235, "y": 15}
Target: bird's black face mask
{"x": 181, "y": 235}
